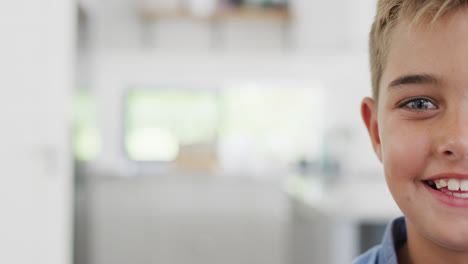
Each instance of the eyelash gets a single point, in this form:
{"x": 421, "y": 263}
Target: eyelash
{"x": 405, "y": 103}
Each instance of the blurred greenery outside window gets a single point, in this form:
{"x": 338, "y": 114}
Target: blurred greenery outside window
{"x": 86, "y": 139}
{"x": 275, "y": 124}
{"x": 159, "y": 122}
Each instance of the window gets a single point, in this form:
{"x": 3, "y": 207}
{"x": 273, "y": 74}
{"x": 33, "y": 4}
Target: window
{"x": 159, "y": 122}
{"x": 246, "y": 125}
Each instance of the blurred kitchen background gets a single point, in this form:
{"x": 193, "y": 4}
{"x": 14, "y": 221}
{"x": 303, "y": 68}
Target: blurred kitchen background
{"x": 187, "y": 131}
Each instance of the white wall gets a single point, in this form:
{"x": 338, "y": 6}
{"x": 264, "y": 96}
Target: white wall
{"x": 36, "y": 54}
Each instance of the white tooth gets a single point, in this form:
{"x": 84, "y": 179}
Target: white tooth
{"x": 453, "y": 184}
{"x": 464, "y": 195}
{"x": 437, "y": 185}
{"x": 457, "y": 194}
{"x": 464, "y": 185}
{"x": 449, "y": 193}
{"x": 443, "y": 183}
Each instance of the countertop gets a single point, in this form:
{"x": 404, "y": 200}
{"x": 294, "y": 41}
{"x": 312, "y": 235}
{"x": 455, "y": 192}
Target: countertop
{"x": 355, "y": 200}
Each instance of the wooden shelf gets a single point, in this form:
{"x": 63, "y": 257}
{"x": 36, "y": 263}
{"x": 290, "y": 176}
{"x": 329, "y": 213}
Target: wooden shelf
{"x": 259, "y": 14}
{"x": 276, "y": 14}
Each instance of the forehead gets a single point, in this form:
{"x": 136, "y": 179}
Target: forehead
{"x": 438, "y": 49}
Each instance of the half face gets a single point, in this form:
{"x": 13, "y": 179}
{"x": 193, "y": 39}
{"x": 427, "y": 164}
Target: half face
{"x": 420, "y": 128}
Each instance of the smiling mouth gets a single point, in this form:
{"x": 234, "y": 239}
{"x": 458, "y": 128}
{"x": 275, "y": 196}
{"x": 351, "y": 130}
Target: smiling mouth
{"x": 450, "y": 186}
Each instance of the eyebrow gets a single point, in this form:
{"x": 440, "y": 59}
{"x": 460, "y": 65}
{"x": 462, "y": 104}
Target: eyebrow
{"x": 414, "y": 79}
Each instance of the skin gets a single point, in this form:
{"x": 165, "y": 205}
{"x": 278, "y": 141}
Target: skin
{"x": 419, "y": 139}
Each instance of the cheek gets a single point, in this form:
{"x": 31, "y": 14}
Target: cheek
{"x": 404, "y": 160}
{"x": 404, "y": 153}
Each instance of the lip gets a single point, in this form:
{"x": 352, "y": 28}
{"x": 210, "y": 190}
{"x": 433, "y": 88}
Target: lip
{"x": 448, "y": 175}
{"x": 446, "y": 199}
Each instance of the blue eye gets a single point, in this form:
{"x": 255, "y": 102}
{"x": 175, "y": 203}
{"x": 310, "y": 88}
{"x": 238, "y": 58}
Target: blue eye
{"x": 418, "y": 104}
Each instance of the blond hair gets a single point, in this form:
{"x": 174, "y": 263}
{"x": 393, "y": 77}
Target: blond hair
{"x": 389, "y": 13}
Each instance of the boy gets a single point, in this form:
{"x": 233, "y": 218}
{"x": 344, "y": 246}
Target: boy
{"x": 418, "y": 124}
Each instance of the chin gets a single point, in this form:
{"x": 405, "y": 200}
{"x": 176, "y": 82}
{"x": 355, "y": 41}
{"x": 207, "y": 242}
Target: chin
{"x": 454, "y": 240}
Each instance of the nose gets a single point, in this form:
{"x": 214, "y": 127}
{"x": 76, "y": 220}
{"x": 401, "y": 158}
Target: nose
{"x": 452, "y": 139}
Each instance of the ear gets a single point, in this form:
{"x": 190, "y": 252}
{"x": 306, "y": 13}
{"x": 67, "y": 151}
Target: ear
{"x": 369, "y": 115}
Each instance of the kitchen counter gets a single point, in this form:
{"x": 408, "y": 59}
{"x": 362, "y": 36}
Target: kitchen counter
{"x": 363, "y": 201}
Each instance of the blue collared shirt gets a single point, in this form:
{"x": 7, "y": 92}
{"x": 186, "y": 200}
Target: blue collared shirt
{"x": 385, "y": 253}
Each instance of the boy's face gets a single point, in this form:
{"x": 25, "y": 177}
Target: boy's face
{"x": 420, "y": 129}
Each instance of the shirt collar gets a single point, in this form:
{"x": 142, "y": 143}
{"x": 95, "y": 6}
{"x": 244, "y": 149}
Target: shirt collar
{"x": 394, "y": 238}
